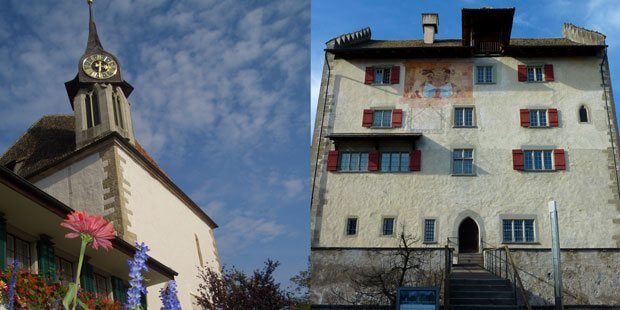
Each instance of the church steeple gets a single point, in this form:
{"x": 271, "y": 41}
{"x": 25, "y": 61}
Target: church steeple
{"x": 98, "y": 94}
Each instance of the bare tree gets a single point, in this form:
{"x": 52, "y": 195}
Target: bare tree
{"x": 405, "y": 266}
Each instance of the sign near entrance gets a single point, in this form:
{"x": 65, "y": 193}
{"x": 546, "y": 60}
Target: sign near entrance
{"x": 417, "y": 298}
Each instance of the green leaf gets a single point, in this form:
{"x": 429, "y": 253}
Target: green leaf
{"x": 82, "y": 304}
{"x": 66, "y": 302}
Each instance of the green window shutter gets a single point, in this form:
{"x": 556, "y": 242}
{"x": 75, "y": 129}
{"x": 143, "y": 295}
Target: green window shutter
{"x": 143, "y": 302}
{"x": 47, "y": 259}
{"x": 119, "y": 290}
{"x": 2, "y": 243}
{"x": 87, "y": 278}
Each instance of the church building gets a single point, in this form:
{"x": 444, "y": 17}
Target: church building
{"x": 462, "y": 143}
{"x": 91, "y": 160}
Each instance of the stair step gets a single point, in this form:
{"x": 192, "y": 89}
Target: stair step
{"x": 493, "y": 288}
{"x": 474, "y": 281}
{"x": 475, "y": 307}
{"x": 482, "y": 301}
{"x": 481, "y": 294}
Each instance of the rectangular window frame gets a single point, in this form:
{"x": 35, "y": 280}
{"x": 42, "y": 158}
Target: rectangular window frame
{"x": 25, "y": 264}
{"x": 522, "y": 220}
{"x": 462, "y": 159}
{"x": 425, "y": 234}
{"x": 384, "y": 72}
{"x": 488, "y": 74}
{"x": 347, "y": 229}
{"x": 353, "y": 161}
{"x": 459, "y": 120}
{"x": 383, "y": 123}
{"x": 403, "y": 161}
{"x": 539, "y": 118}
{"x": 64, "y": 274}
{"x": 534, "y": 160}
{"x": 535, "y": 73}
{"x": 384, "y": 229}
{"x": 101, "y": 279}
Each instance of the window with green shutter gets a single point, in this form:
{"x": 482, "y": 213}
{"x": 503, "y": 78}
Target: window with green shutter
{"x": 87, "y": 278}
{"x": 119, "y": 290}
{"x": 47, "y": 259}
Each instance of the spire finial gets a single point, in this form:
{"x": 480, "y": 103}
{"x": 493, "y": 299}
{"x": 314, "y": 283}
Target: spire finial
{"x": 93, "y": 38}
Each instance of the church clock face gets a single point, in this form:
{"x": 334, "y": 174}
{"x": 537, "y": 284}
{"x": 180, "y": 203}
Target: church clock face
{"x": 99, "y": 66}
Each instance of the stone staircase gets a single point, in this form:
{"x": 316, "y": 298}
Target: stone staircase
{"x": 472, "y": 287}
{"x": 471, "y": 259}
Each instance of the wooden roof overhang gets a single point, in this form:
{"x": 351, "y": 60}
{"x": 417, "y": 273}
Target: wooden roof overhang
{"x": 403, "y": 52}
{"x": 552, "y": 50}
{"x": 374, "y": 138}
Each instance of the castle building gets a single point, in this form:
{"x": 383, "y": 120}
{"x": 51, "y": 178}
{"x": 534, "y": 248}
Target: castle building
{"x": 92, "y": 161}
{"x": 462, "y": 143}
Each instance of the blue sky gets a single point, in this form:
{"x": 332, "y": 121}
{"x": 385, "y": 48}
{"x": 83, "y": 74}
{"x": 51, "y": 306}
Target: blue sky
{"x": 390, "y": 19}
{"x": 220, "y": 101}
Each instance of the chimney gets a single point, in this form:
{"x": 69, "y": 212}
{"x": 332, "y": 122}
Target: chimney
{"x": 430, "y": 23}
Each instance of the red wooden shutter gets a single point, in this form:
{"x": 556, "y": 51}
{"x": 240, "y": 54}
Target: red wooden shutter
{"x": 397, "y": 118}
{"x": 560, "y": 160}
{"x": 415, "y": 160}
{"x": 373, "y": 161}
{"x": 395, "y": 75}
{"x": 367, "y": 118}
{"x": 525, "y": 117}
{"x": 517, "y": 159}
{"x": 549, "y": 73}
{"x": 370, "y": 75}
{"x": 332, "y": 161}
{"x": 522, "y": 73}
{"x": 553, "y": 117}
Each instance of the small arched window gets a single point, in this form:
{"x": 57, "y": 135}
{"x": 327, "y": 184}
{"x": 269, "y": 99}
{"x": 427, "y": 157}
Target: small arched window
{"x": 92, "y": 109}
{"x": 583, "y": 114}
{"x": 118, "y": 111}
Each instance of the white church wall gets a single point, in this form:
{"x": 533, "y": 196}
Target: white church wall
{"x": 78, "y": 185}
{"x": 168, "y": 227}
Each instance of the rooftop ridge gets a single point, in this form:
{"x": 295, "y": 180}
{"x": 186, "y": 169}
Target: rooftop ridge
{"x": 350, "y": 38}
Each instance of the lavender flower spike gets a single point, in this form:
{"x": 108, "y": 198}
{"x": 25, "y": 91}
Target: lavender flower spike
{"x": 137, "y": 266}
{"x": 168, "y": 296}
{"x": 12, "y": 283}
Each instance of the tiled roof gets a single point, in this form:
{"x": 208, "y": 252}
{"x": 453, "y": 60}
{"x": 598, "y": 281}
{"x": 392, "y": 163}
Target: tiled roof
{"x": 458, "y": 43}
{"x": 48, "y": 141}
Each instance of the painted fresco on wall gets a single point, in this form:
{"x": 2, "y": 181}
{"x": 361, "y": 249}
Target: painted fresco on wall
{"x": 435, "y": 82}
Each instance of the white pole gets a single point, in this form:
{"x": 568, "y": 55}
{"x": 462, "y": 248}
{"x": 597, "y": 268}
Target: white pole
{"x": 555, "y": 250}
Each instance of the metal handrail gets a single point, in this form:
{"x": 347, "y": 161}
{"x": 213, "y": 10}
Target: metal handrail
{"x": 446, "y": 280}
{"x": 516, "y": 278}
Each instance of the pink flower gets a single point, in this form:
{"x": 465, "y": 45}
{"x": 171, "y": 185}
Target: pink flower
{"x": 95, "y": 226}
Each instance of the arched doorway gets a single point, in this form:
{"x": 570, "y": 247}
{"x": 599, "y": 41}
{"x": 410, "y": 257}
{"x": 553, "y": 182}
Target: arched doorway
{"x": 469, "y": 236}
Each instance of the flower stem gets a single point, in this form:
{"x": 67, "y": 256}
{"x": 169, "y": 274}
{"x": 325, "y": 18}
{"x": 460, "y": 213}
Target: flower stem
{"x": 85, "y": 241}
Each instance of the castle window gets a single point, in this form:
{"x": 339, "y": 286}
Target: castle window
{"x": 351, "y": 226}
{"x": 118, "y": 112}
{"x": 538, "y": 118}
{"x": 388, "y": 226}
{"x": 583, "y": 114}
{"x": 518, "y": 231}
{"x": 92, "y": 110}
{"x": 382, "y": 118}
{"x": 463, "y": 162}
{"x": 539, "y": 160}
{"x": 463, "y": 117}
{"x": 484, "y": 75}
{"x": 17, "y": 250}
{"x": 429, "y": 230}
{"x": 535, "y": 74}
{"x": 353, "y": 161}
{"x": 382, "y": 76}
{"x": 394, "y": 161}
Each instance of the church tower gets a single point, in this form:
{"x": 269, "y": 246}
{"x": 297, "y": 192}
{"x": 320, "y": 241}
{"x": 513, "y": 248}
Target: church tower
{"x": 98, "y": 94}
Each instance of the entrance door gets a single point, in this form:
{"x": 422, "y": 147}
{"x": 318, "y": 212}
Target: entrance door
{"x": 468, "y": 236}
